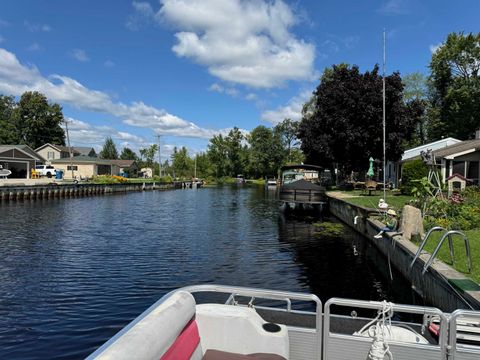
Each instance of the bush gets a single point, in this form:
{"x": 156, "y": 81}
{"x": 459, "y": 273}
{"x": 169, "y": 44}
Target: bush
{"x": 462, "y": 213}
{"x": 412, "y": 170}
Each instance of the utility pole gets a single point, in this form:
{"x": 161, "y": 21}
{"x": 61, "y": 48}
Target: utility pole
{"x": 384, "y": 122}
{"x": 69, "y": 148}
{"x": 159, "y": 157}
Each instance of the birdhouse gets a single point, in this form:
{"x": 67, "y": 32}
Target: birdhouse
{"x": 456, "y": 183}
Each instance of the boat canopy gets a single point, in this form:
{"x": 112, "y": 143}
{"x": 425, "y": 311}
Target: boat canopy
{"x": 301, "y": 166}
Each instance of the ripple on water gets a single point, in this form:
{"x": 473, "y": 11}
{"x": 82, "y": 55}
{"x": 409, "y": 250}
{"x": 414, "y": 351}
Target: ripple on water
{"x": 106, "y": 259}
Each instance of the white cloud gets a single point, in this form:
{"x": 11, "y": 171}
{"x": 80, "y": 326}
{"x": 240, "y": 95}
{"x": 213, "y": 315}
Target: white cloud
{"x": 242, "y": 41}
{"x": 293, "y": 109}
{"x": 143, "y": 14}
{"x": 223, "y": 90}
{"x": 16, "y": 78}
{"x": 251, "y": 97}
{"x": 84, "y": 134}
{"x": 434, "y": 47}
{"x": 80, "y": 55}
{"x": 4, "y": 23}
{"x": 37, "y": 27}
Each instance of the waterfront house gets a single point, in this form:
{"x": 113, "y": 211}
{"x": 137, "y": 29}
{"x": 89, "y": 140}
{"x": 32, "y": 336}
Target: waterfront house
{"x": 53, "y": 152}
{"x": 415, "y": 153}
{"x": 85, "y": 167}
{"x": 19, "y": 159}
{"x": 462, "y": 159}
{"x": 452, "y": 156}
{"x": 128, "y": 167}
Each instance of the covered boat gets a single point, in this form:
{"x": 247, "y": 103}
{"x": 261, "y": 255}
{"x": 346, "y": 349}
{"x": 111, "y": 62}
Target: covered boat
{"x": 301, "y": 187}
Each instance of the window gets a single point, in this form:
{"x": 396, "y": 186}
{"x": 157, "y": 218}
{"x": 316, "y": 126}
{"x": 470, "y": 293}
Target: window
{"x": 51, "y": 155}
{"x": 72, "y": 167}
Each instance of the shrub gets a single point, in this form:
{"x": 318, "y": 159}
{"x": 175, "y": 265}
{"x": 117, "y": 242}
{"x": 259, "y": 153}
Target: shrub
{"x": 412, "y": 170}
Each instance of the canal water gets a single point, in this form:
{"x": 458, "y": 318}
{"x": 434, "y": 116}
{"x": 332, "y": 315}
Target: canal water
{"x": 73, "y": 272}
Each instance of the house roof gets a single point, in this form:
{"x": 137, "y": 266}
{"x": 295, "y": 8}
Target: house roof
{"x": 458, "y": 149}
{"x": 123, "y": 163}
{"x": 82, "y": 159}
{"x": 83, "y": 150}
{"x": 23, "y": 148}
{"x": 413, "y": 153}
{"x": 77, "y": 150}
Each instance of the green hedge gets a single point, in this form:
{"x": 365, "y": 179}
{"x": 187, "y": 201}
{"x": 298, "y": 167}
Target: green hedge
{"x": 412, "y": 170}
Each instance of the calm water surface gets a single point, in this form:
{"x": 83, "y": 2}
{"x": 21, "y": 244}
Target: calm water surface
{"x": 73, "y": 272}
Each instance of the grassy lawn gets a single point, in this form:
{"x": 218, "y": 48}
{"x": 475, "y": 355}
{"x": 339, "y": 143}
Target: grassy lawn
{"x": 394, "y": 199}
{"x": 397, "y": 201}
{"x": 460, "y": 253}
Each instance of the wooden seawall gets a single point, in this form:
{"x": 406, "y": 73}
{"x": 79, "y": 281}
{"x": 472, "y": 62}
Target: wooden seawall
{"x": 50, "y": 191}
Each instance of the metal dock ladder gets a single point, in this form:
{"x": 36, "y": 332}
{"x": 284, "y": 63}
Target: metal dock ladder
{"x": 447, "y": 234}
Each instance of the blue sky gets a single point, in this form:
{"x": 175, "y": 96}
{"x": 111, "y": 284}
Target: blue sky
{"x": 188, "y": 69}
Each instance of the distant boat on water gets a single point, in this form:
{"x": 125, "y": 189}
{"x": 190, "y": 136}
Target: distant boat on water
{"x": 271, "y": 183}
{"x": 240, "y": 179}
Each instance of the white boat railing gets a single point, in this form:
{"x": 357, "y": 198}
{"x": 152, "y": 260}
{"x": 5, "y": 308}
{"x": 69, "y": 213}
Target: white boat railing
{"x": 344, "y": 340}
{"x": 460, "y": 325}
{"x": 283, "y": 296}
{"x": 338, "y": 346}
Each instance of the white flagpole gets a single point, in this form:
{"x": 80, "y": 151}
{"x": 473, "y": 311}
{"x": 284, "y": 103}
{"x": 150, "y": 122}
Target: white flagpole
{"x": 384, "y": 122}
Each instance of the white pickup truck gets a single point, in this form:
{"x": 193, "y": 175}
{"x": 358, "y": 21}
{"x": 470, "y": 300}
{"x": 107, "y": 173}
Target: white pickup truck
{"x": 45, "y": 170}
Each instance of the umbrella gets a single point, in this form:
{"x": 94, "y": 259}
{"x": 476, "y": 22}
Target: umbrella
{"x": 370, "y": 169}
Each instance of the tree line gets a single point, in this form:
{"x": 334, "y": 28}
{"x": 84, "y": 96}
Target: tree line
{"x": 257, "y": 154}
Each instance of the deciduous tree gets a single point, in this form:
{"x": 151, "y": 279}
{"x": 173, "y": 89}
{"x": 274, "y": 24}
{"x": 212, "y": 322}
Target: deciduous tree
{"x": 8, "y": 131}
{"x": 39, "y": 122}
{"x": 266, "y": 151}
{"x": 344, "y": 123}
{"x": 288, "y": 131}
{"x": 455, "y": 87}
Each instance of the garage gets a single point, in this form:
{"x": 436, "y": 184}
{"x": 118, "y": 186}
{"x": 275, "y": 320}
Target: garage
{"x": 19, "y": 159}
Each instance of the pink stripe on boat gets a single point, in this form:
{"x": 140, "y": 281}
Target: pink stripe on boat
{"x": 185, "y": 344}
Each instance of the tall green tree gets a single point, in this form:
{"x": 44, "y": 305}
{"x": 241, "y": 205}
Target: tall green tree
{"x": 233, "y": 144}
{"x": 109, "y": 150}
{"x": 39, "y": 122}
{"x": 344, "y": 124}
{"x": 217, "y": 151}
{"x": 415, "y": 94}
{"x": 455, "y": 87}
{"x": 204, "y": 167}
{"x": 8, "y": 130}
{"x": 128, "y": 154}
{"x": 149, "y": 154}
{"x": 182, "y": 164}
{"x": 288, "y": 131}
{"x": 266, "y": 151}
